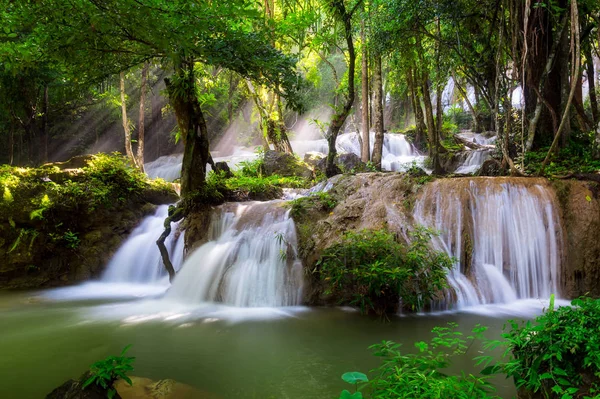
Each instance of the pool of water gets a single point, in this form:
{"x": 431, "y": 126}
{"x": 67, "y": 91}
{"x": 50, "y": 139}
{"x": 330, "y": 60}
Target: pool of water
{"x": 300, "y": 353}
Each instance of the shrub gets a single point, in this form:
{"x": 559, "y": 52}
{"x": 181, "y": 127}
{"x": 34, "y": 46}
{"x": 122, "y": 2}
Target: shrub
{"x": 557, "y": 355}
{"x": 105, "y": 372}
{"x": 419, "y": 375}
{"x": 371, "y": 270}
{"x": 321, "y": 201}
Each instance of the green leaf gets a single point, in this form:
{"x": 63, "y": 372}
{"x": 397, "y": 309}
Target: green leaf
{"x": 354, "y": 377}
{"x": 588, "y": 198}
{"x": 347, "y": 395}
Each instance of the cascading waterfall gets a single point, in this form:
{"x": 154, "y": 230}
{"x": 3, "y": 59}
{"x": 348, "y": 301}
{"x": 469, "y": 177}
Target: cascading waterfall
{"x": 397, "y": 155}
{"x": 505, "y": 234}
{"x": 250, "y": 259}
{"x": 138, "y": 259}
{"x": 473, "y": 161}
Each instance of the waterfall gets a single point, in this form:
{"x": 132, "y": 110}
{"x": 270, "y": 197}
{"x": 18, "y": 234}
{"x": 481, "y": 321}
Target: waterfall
{"x": 138, "y": 259}
{"x": 505, "y": 234}
{"x": 250, "y": 259}
{"x": 473, "y": 161}
{"x": 397, "y": 155}
{"x": 167, "y": 167}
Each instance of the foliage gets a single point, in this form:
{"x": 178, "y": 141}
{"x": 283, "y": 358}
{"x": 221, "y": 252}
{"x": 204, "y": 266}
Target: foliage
{"x": 50, "y": 200}
{"x": 105, "y": 372}
{"x": 371, "y": 270}
{"x": 576, "y": 157}
{"x": 321, "y": 201}
{"x": 419, "y": 375}
{"x": 557, "y": 355}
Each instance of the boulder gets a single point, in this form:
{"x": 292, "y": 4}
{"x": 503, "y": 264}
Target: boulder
{"x": 492, "y": 167}
{"x": 73, "y": 389}
{"x": 312, "y": 158}
{"x": 284, "y": 164}
{"x": 145, "y": 388}
{"x": 351, "y": 162}
{"x": 345, "y": 163}
{"x": 223, "y": 167}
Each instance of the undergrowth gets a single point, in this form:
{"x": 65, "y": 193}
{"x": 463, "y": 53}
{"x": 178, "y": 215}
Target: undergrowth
{"x": 373, "y": 271}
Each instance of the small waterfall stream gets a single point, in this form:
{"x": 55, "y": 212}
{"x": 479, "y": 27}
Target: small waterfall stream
{"x": 250, "y": 259}
{"x": 138, "y": 260}
{"x": 505, "y": 234}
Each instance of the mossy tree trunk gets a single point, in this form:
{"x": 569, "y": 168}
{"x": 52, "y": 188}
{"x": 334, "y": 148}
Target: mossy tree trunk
{"x": 378, "y": 111}
{"x": 344, "y": 16}
{"x": 365, "y": 148}
{"x": 126, "y": 129}
{"x": 192, "y": 127}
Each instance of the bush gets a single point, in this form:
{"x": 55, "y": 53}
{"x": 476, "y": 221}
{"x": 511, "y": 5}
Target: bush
{"x": 321, "y": 201}
{"x": 558, "y": 355}
{"x": 371, "y": 270}
{"x": 419, "y": 375}
{"x": 105, "y": 372}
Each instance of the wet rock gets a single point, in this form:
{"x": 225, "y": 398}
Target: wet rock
{"x": 491, "y": 167}
{"x": 145, "y": 388}
{"x": 223, "y": 167}
{"x": 284, "y": 164}
{"x": 73, "y": 389}
{"x": 312, "y": 158}
{"x": 350, "y": 163}
{"x": 580, "y": 205}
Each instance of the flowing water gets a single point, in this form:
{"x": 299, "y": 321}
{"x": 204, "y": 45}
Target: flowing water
{"x": 398, "y": 154}
{"x": 295, "y": 353}
{"x": 250, "y": 260}
{"x": 504, "y": 233}
{"x": 230, "y": 324}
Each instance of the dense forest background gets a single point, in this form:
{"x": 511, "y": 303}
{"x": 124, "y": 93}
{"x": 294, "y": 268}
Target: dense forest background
{"x": 86, "y": 76}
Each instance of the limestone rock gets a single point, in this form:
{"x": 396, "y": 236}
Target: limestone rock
{"x": 145, "y": 388}
{"x": 284, "y": 164}
{"x": 72, "y": 389}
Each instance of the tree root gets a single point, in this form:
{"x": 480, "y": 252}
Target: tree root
{"x": 175, "y": 214}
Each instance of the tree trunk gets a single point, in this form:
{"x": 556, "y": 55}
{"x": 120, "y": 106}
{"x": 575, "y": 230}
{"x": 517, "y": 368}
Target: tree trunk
{"x": 141, "y": 125}
{"x": 541, "y": 89}
{"x": 592, "y": 82}
{"x": 416, "y": 99}
{"x": 563, "y": 65}
{"x": 45, "y": 126}
{"x": 11, "y": 144}
{"x": 340, "y": 116}
{"x": 192, "y": 127}
{"x": 378, "y": 111}
{"x": 574, "y": 74}
{"x": 366, "y": 144}
{"x": 128, "y": 148}
{"x": 474, "y": 113}
{"x": 433, "y": 138}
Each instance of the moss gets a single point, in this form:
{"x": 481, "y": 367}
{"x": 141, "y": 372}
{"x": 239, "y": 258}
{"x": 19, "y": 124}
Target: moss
{"x": 562, "y": 189}
{"x": 46, "y": 213}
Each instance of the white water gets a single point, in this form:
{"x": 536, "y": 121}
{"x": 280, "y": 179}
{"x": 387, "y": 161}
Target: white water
{"x": 250, "y": 260}
{"x": 138, "y": 260}
{"x": 168, "y": 167}
{"x": 397, "y": 155}
{"x": 515, "y": 238}
{"x": 473, "y": 161}
{"x": 475, "y": 158}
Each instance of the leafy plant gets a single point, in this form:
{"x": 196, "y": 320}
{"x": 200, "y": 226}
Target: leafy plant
{"x": 321, "y": 201}
{"x": 420, "y": 376}
{"x": 105, "y": 372}
{"x": 557, "y": 355}
{"x": 371, "y": 270}
{"x": 71, "y": 239}
{"x": 354, "y": 378}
